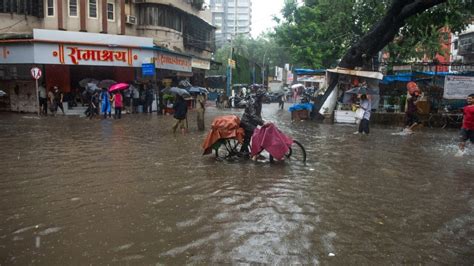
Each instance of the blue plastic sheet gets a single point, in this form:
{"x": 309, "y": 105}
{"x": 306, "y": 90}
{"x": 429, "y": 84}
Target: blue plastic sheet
{"x": 301, "y": 106}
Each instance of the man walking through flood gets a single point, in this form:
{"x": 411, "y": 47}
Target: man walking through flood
{"x": 180, "y": 112}
{"x": 200, "y": 108}
{"x": 412, "y": 119}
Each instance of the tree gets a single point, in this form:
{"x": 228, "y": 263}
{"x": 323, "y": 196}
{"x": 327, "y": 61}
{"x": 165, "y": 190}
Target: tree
{"x": 316, "y": 33}
{"x": 384, "y": 32}
{"x": 253, "y": 54}
{"x": 321, "y": 31}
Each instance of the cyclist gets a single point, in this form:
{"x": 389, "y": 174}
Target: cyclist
{"x": 467, "y": 129}
{"x": 251, "y": 118}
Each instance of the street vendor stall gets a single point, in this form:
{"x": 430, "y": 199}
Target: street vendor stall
{"x": 350, "y": 83}
{"x": 301, "y": 111}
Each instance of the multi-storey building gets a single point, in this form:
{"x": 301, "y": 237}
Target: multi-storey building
{"x": 231, "y": 17}
{"x": 70, "y": 40}
{"x": 462, "y": 49}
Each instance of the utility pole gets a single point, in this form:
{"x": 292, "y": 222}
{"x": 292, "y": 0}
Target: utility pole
{"x": 229, "y": 80}
{"x": 263, "y": 67}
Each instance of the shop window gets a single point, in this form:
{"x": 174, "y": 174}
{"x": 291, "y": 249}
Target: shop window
{"x": 50, "y": 8}
{"x": 73, "y": 8}
{"x": 24, "y": 7}
{"x": 92, "y": 8}
{"x": 111, "y": 11}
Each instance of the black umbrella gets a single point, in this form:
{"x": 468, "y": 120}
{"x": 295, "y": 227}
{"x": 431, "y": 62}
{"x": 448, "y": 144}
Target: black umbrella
{"x": 198, "y": 90}
{"x": 83, "y": 83}
{"x": 106, "y": 83}
{"x": 175, "y": 90}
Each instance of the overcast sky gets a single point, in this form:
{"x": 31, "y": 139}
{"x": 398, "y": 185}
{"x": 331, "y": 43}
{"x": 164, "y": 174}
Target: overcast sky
{"x": 262, "y": 12}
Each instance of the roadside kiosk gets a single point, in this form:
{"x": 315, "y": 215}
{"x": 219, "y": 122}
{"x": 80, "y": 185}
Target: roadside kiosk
{"x": 338, "y": 106}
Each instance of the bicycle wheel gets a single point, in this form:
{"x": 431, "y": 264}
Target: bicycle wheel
{"x": 434, "y": 121}
{"x": 296, "y": 152}
{"x": 226, "y": 148}
{"x": 444, "y": 121}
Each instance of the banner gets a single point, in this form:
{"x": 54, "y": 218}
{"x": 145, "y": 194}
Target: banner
{"x": 458, "y": 87}
{"x": 200, "y": 63}
{"x": 173, "y": 62}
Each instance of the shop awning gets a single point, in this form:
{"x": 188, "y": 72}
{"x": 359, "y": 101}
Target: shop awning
{"x": 358, "y": 73}
{"x": 405, "y": 77}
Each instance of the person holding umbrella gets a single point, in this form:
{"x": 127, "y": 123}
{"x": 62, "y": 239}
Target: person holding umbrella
{"x": 180, "y": 112}
{"x": 117, "y": 98}
{"x": 366, "y": 106}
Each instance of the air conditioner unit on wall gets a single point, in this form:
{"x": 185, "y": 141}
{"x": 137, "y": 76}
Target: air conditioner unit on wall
{"x": 131, "y": 20}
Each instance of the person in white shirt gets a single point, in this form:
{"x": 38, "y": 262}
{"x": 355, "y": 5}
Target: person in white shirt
{"x": 43, "y": 99}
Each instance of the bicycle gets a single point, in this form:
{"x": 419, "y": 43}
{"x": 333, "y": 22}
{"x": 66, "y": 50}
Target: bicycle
{"x": 445, "y": 119}
{"x": 229, "y": 148}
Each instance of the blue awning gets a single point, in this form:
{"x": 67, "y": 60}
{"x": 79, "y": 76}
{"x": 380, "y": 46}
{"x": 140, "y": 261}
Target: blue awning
{"x": 405, "y": 77}
{"x": 305, "y": 71}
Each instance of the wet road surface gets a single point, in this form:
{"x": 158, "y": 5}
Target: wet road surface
{"x": 75, "y": 191}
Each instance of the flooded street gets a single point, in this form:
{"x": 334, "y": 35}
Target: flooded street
{"x": 75, "y": 192}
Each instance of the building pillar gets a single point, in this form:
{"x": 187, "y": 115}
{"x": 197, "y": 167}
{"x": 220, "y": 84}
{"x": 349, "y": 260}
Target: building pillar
{"x": 104, "y": 16}
{"x": 122, "y": 17}
{"x": 83, "y": 14}
{"x": 59, "y": 4}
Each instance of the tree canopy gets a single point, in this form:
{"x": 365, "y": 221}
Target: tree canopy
{"x": 251, "y": 54}
{"x": 320, "y": 32}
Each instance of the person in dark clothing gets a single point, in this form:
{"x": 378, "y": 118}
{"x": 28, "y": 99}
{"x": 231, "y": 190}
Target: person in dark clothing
{"x": 94, "y": 105}
{"x": 57, "y": 100}
{"x": 281, "y": 101}
{"x": 180, "y": 112}
{"x": 259, "y": 94}
{"x": 412, "y": 119}
{"x": 250, "y": 120}
{"x": 148, "y": 98}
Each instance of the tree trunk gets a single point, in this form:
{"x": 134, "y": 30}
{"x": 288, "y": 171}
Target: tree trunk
{"x": 360, "y": 53}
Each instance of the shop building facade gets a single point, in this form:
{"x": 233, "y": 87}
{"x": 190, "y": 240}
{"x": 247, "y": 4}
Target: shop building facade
{"x": 103, "y": 39}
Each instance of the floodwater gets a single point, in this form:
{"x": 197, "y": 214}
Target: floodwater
{"x": 75, "y": 191}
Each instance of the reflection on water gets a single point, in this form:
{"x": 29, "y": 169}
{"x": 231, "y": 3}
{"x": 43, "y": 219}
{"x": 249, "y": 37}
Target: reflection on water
{"x": 75, "y": 191}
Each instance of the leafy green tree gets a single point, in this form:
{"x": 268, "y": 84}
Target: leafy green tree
{"x": 320, "y": 32}
{"x": 251, "y": 55}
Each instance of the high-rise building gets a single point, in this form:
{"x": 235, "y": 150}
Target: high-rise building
{"x": 231, "y": 17}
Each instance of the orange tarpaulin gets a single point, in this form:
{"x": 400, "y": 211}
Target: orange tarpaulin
{"x": 223, "y": 127}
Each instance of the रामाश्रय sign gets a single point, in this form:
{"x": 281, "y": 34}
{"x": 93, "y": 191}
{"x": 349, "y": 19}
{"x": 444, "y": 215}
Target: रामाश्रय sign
{"x": 458, "y": 87}
{"x": 88, "y": 55}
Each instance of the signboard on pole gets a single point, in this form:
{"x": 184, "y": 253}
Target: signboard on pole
{"x": 458, "y": 87}
{"x": 36, "y": 73}
{"x": 148, "y": 69}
